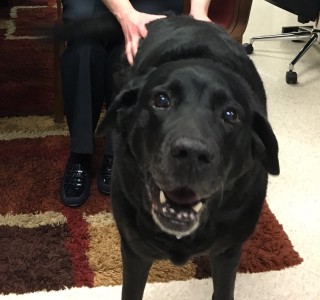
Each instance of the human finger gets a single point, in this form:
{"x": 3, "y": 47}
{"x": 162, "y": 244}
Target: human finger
{"x": 134, "y": 45}
{"x": 129, "y": 53}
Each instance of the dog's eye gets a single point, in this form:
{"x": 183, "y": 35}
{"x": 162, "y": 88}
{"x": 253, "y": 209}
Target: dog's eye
{"x": 161, "y": 100}
{"x": 230, "y": 116}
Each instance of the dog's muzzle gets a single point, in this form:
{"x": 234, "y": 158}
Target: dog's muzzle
{"x": 177, "y": 212}
{"x": 177, "y": 203}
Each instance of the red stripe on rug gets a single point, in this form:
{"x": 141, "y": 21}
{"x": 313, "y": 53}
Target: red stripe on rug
{"x": 26, "y": 77}
{"x": 78, "y": 244}
{"x": 31, "y": 171}
{"x": 268, "y": 249}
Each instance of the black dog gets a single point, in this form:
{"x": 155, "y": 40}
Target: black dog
{"x": 193, "y": 152}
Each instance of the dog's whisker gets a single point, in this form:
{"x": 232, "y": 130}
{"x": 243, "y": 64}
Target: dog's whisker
{"x": 221, "y": 195}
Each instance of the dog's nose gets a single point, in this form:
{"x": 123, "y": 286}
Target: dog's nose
{"x": 191, "y": 150}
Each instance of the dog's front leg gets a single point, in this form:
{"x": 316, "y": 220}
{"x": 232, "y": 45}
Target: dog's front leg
{"x": 135, "y": 273}
{"x": 224, "y": 268}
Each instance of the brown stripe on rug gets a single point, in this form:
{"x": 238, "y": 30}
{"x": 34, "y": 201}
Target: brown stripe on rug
{"x": 33, "y": 254}
{"x": 30, "y": 171}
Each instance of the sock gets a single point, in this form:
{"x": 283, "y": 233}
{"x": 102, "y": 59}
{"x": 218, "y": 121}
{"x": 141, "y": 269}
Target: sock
{"x": 80, "y": 158}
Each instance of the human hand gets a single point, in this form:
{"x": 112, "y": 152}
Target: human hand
{"x": 133, "y": 25}
{"x": 201, "y": 17}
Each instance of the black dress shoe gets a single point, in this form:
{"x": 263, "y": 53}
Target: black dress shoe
{"x": 75, "y": 185}
{"x": 104, "y": 177}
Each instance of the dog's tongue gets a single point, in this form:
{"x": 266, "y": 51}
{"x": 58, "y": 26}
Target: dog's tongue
{"x": 182, "y": 196}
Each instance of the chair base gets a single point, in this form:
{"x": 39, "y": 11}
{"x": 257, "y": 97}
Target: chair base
{"x": 294, "y": 33}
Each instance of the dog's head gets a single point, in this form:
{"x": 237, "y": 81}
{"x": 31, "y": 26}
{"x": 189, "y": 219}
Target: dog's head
{"x": 192, "y": 129}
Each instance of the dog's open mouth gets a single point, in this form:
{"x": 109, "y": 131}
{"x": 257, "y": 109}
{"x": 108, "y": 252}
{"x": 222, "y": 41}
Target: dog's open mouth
{"x": 177, "y": 212}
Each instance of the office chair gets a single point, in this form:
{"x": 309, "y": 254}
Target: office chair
{"x": 233, "y": 15}
{"x": 306, "y": 10}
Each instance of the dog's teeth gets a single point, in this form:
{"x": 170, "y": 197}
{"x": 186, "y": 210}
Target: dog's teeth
{"x": 197, "y": 207}
{"x": 162, "y": 198}
{"x": 172, "y": 210}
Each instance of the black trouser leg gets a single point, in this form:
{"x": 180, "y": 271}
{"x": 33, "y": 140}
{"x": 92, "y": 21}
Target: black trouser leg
{"x": 83, "y": 80}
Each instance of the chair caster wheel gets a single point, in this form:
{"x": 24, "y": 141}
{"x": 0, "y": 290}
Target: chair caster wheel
{"x": 248, "y": 48}
{"x": 291, "y": 77}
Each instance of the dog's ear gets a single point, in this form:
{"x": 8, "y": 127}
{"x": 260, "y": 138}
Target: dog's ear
{"x": 264, "y": 144}
{"x": 124, "y": 102}
{"x": 122, "y": 105}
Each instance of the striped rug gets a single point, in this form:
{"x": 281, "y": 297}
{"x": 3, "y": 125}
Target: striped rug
{"x": 45, "y": 245}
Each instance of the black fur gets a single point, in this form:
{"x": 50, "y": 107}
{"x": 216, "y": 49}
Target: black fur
{"x": 190, "y": 120}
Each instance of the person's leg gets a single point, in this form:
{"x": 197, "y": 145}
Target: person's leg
{"x": 82, "y": 73}
{"x": 83, "y": 78}
{"x": 104, "y": 176}
{"x": 147, "y": 6}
